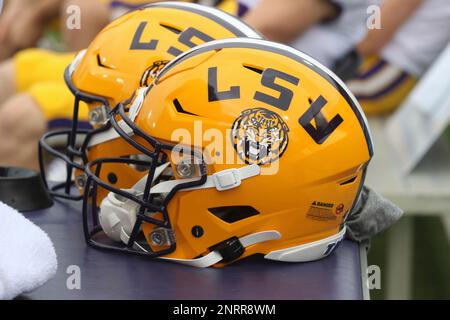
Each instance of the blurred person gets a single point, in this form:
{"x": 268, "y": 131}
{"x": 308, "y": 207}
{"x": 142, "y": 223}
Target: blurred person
{"x": 412, "y": 36}
{"x": 33, "y": 98}
{"x": 327, "y": 30}
{"x": 33, "y": 88}
{"x": 93, "y": 16}
{"x": 96, "y": 14}
{"x": 32, "y": 66}
{"x": 33, "y": 92}
{"x": 22, "y": 23}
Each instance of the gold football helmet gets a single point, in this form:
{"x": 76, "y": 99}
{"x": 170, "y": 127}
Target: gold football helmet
{"x": 111, "y": 68}
{"x": 251, "y": 147}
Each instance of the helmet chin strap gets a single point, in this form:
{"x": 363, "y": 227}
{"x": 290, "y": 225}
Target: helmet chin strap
{"x": 140, "y": 185}
{"x": 214, "y": 256}
{"x": 222, "y": 180}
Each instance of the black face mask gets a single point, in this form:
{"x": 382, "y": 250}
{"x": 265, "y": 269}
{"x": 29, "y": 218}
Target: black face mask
{"x": 74, "y": 157}
{"x": 148, "y": 204}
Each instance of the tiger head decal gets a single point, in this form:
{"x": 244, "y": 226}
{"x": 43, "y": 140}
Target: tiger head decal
{"x": 259, "y": 136}
{"x": 152, "y": 71}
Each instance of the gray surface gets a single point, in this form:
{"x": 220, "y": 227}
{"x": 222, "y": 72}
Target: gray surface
{"x": 106, "y": 275}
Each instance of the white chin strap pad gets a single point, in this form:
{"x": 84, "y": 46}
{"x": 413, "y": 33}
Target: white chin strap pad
{"x": 309, "y": 251}
{"x": 115, "y": 214}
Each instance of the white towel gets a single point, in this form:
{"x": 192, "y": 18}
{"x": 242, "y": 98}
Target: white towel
{"x": 27, "y": 255}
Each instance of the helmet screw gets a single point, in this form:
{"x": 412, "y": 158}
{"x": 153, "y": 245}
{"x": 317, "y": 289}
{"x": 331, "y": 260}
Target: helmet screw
{"x": 80, "y": 181}
{"x": 98, "y": 115}
{"x": 185, "y": 169}
{"x": 158, "y": 237}
{"x": 94, "y": 116}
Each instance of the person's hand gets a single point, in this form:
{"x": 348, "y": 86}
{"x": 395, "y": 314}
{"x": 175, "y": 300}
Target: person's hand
{"x": 394, "y": 14}
{"x": 6, "y": 18}
{"x": 285, "y": 20}
{"x": 18, "y": 27}
{"x": 21, "y": 25}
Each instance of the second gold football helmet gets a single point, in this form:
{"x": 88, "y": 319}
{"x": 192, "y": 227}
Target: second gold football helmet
{"x": 110, "y": 69}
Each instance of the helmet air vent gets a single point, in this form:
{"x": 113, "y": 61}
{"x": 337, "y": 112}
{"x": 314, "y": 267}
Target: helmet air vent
{"x": 253, "y": 68}
{"x": 101, "y": 64}
{"x": 232, "y": 214}
{"x": 349, "y": 181}
{"x": 180, "y": 109}
{"x": 170, "y": 28}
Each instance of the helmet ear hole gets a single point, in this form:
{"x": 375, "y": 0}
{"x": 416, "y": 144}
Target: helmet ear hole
{"x": 112, "y": 178}
{"x": 197, "y": 231}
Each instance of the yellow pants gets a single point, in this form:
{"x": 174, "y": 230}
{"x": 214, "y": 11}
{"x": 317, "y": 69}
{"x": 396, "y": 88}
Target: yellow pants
{"x": 40, "y": 73}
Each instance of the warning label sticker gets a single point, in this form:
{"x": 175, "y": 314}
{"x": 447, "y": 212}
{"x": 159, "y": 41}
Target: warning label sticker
{"x": 321, "y": 211}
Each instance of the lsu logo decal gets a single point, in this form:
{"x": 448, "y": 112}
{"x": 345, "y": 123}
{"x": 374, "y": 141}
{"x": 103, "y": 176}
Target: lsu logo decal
{"x": 259, "y": 136}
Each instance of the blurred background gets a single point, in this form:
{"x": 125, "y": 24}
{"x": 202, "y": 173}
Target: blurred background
{"x": 393, "y": 54}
